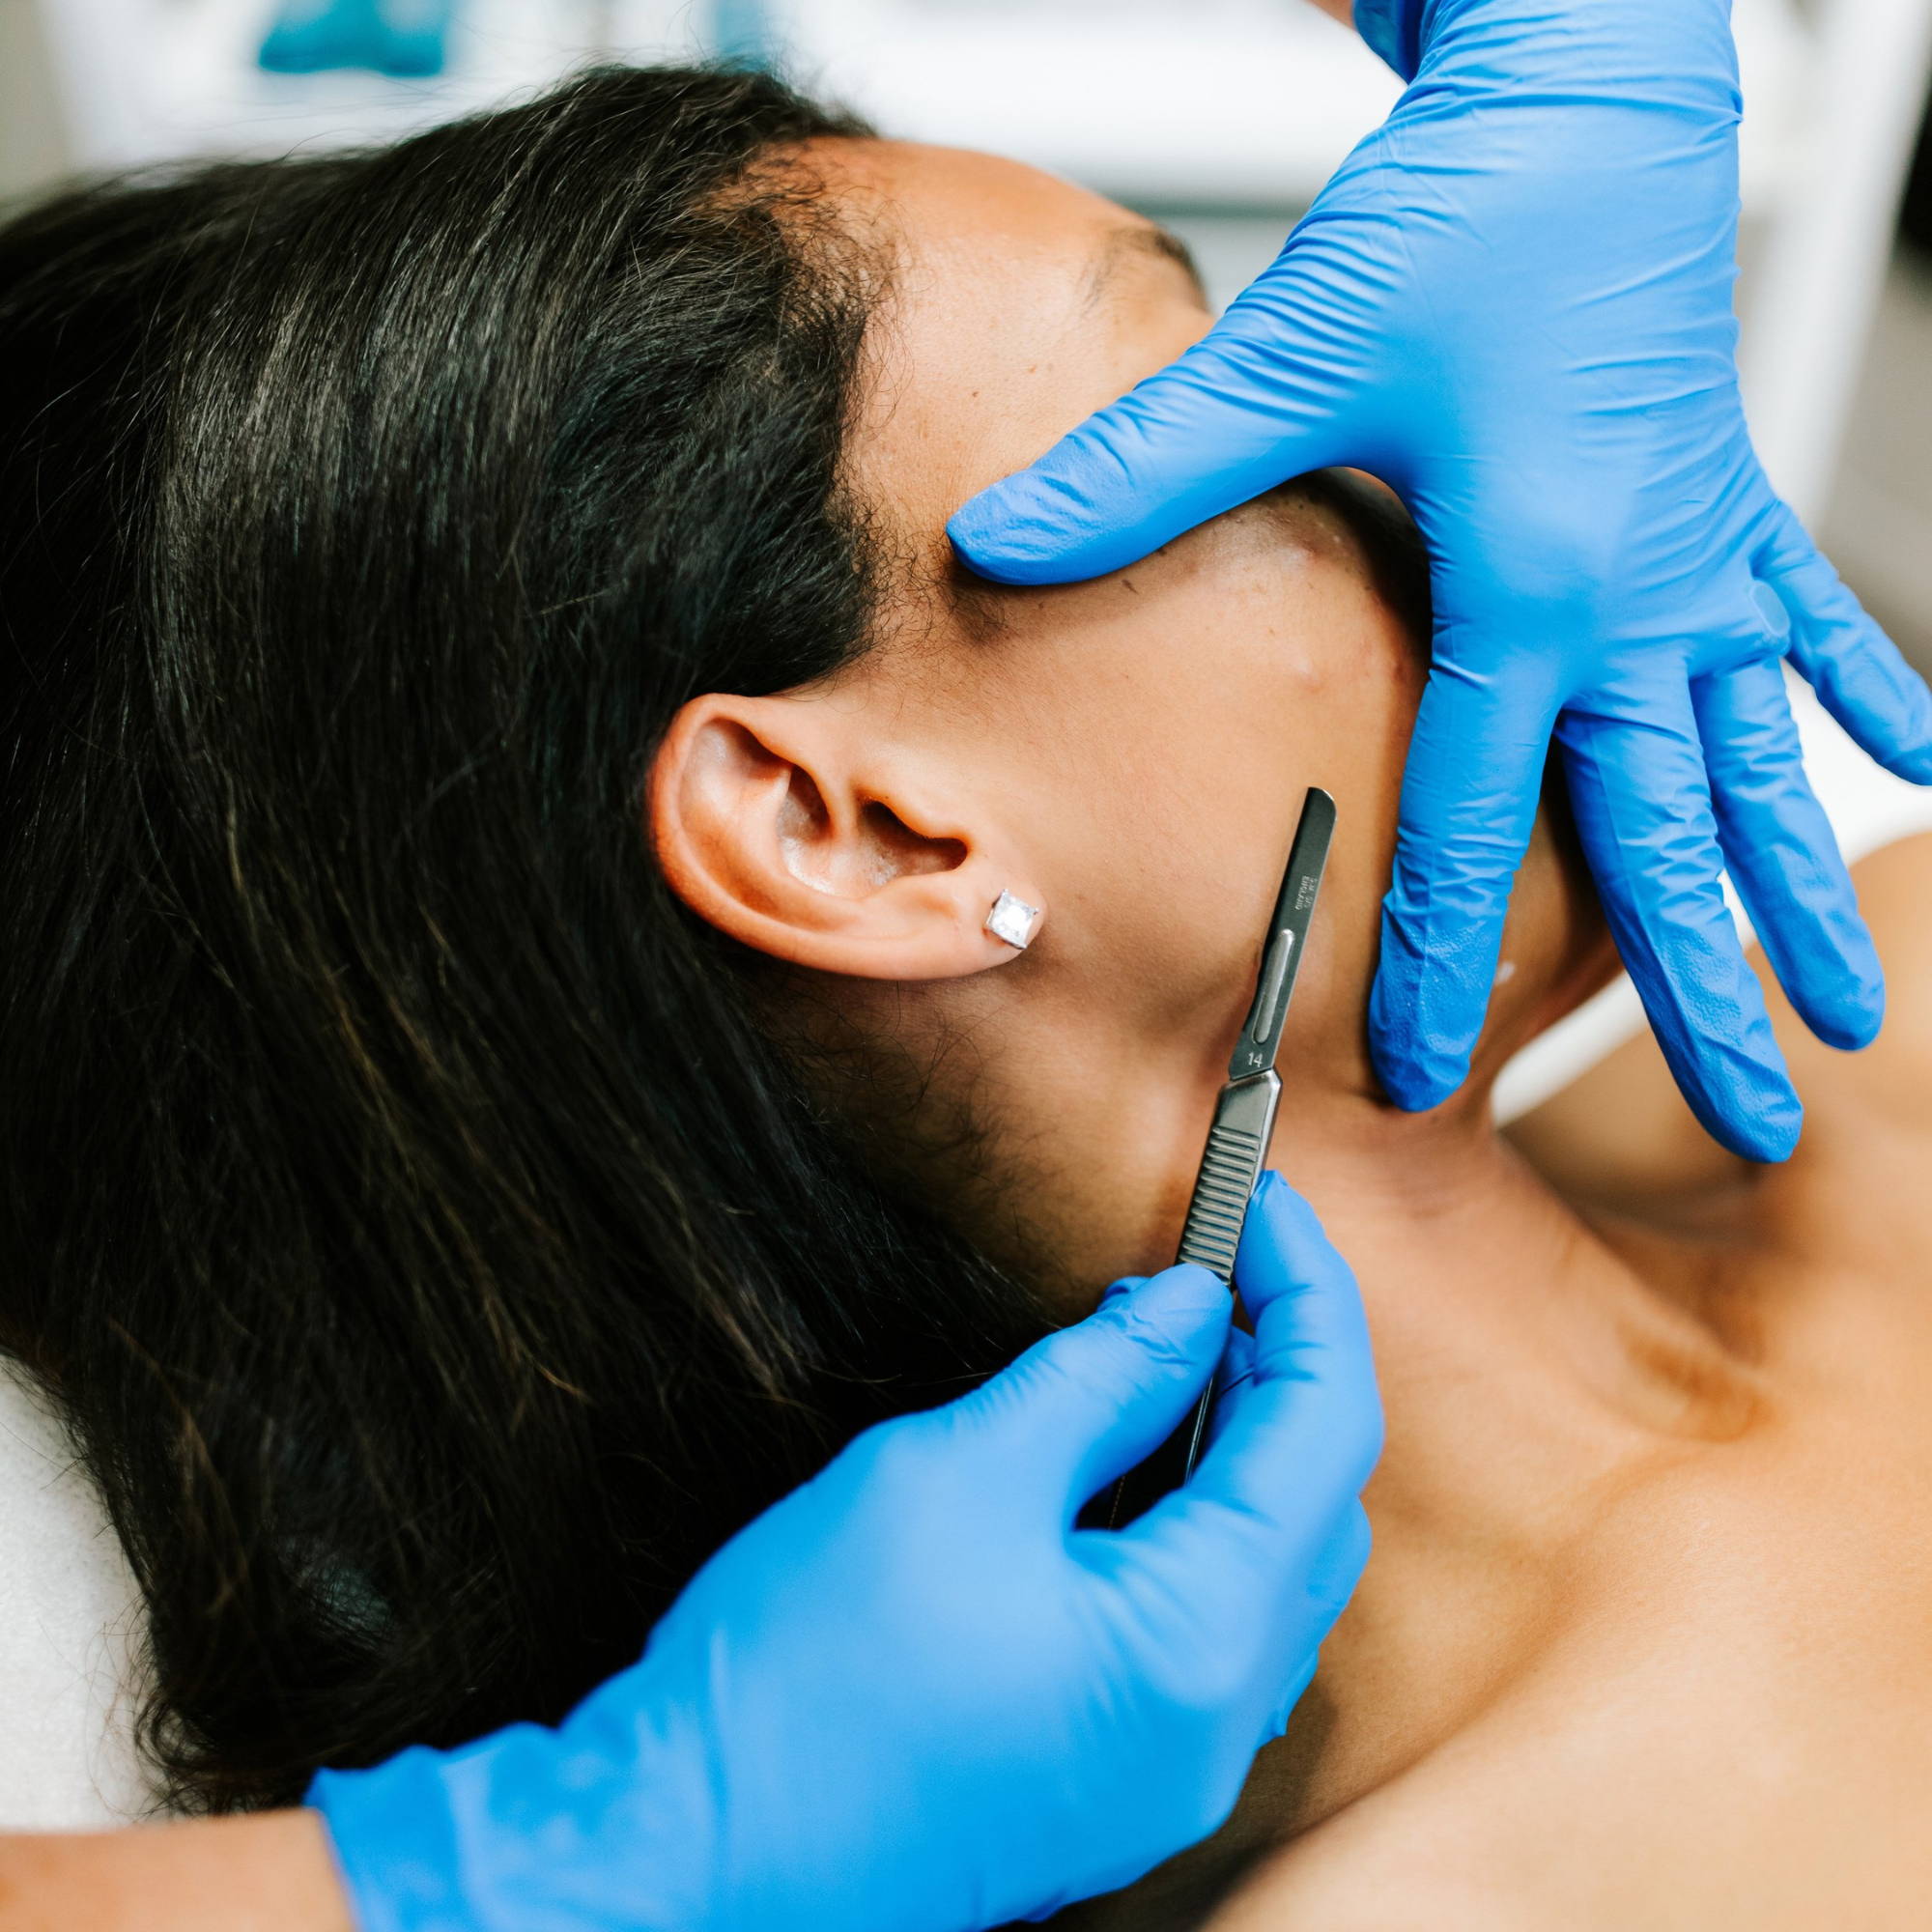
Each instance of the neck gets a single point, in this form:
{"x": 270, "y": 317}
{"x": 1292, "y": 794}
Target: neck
{"x": 1489, "y": 1294}
{"x": 1478, "y": 1276}
{"x": 1098, "y": 1141}
{"x": 1527, "y": 1369}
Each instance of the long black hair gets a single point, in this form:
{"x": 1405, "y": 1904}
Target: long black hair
{"x": 431, "y": 1255}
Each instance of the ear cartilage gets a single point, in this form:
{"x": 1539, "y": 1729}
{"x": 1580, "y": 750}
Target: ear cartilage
{"x": 1013, "y": 920}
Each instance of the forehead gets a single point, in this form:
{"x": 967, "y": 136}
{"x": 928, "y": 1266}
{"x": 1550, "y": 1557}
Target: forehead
{"x": 1020, "y": 303}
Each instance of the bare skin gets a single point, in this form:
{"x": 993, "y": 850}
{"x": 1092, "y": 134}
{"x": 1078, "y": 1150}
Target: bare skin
{"x": 267, "y": 1874}
{"x": 1642, "y": 1639}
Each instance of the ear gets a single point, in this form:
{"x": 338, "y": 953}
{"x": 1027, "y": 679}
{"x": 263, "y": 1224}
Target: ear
{"x": 785, "y": 823}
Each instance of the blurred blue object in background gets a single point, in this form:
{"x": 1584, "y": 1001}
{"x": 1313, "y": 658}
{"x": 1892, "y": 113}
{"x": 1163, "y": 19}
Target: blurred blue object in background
{"x": 740, "y": 30}
{"x": 402, "y": 39}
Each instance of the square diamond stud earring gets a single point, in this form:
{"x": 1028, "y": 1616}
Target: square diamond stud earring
{"x": 1013, "y": 920}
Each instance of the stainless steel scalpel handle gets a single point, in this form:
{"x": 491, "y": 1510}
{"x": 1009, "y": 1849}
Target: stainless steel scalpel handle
{"x": 1237, "y": 1142}
{"x": 1238, "y": 1145}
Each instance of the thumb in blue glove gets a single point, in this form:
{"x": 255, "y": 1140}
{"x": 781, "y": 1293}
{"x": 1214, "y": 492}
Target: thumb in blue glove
{"x": 914, "y": 1696}
{"x": 1513, "y": 303}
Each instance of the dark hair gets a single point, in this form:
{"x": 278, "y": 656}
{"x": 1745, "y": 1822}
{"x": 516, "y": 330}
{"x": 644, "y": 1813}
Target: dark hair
{"x": 429, "y": 1249}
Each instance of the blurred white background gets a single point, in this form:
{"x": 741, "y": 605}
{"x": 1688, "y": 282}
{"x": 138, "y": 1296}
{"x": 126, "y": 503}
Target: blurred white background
{"x": 1222, "y": 116}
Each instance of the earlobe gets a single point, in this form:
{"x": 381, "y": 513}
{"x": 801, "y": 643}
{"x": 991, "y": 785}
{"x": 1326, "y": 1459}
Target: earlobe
{"x": 788, "y": 825}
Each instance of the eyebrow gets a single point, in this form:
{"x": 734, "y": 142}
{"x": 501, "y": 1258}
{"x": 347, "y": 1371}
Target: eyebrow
{"x": 1140, "y": 240}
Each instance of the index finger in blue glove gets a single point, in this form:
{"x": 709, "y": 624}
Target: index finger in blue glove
{"x": 1856, "y": 669}
{"x": 1644, "y": 812}
{"x": 1783, "y": 857}
{"x": 1469, "y": 802}
{"x": 1087, "y": 1402}
{"x": 1306, "y": 1431}
{"x": 1230, "y": 420}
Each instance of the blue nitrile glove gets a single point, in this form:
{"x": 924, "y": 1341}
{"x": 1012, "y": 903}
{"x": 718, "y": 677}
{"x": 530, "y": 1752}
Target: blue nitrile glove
{"x": 913, "y": 1696}
{"x": 1513, "y": 302}
{"x": 402, "y": 39}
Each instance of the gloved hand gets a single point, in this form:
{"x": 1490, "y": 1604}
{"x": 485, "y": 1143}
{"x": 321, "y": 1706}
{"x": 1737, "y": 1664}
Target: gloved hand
{"x": 1513, "y": 303}
{"x": 913, "y": 1695}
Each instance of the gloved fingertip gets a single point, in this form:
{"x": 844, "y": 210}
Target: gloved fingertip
{"x": 1770, "y": 1134}
{"x": 1415, "y": 1074}
{"x": 1284, "y": 1219}
{"x": 1852, "y": 1025}
{"x": 1859, "y": 1012}
{"x": 1415, "y": 1085}
{"x": 1179, "y": 1290}
{"x": 1418, "y": 1061}
{"x": 1183, "y": 1308}
{"x": 1850, "y": 1037}
{"x": 1282, "y": 1204}
{"x": 1003, "y": 533}
{"x": 1119, "y": 1290}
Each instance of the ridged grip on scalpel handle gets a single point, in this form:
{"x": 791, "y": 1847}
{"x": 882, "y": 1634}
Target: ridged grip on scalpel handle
{"x": 1231, "y": 1166}
{"x": 1236, "y": 1146}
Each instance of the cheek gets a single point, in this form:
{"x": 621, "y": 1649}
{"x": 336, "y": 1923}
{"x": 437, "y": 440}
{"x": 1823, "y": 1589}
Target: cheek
{"x": 1373, "y": 682}
{"x": 1335, "y": 709}
{"x": 1356, "y": 748}
{"x": 1165, "y": 759}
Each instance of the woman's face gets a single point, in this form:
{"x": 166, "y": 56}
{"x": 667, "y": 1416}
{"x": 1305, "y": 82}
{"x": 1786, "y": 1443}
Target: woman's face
{"x": 1130, "y": 753}
{"x": 1152, "y": 732}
